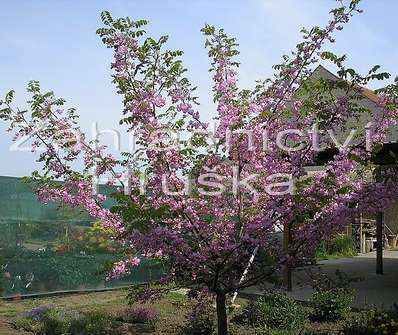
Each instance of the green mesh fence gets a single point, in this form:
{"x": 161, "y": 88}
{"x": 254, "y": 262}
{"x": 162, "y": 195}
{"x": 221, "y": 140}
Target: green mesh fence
{"x": 45, "y": 248}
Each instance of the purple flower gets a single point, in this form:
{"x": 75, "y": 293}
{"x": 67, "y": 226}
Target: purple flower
{"x": 38, "y": 313}
{"x": 140, "y": 314}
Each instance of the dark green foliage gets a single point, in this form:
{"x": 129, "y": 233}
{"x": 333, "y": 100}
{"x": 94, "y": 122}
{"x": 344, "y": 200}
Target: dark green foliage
{"x": 55, "y": 324}
{"x": 372, "y": 323}
{"x": 276, "y": 311}
{"x": 93, "y": 323}
{"x": 52, "y": 272}
{"x": 333, "y": 296}
{"x": 340, "y": 280}
{"x": 391, "y": 90}
{"x": 357, "y": 325}
{"x": 137, "y": 215}
{"x": 340, "y": 246}
{"x": 332, "y": 304}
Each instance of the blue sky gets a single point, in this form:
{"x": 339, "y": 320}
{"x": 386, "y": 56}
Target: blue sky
{"x": 55, "y": 42}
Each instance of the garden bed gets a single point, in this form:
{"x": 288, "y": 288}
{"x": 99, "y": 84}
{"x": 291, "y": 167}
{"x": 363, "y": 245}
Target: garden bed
{"x": 172, "y": 314}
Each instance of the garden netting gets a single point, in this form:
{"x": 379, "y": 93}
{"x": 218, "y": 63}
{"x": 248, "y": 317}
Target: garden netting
{"x": 46, "y": 248}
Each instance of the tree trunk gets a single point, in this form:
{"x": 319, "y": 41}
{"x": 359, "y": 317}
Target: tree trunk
{"x": 222, "y": 324}
{"x": 287, "y": 271}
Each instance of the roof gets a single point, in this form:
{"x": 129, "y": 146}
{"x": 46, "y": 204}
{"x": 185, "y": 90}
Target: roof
{"x": 371, "y": 95}
{"x": 321, "y": 71}
{"x": 370, "y": 101}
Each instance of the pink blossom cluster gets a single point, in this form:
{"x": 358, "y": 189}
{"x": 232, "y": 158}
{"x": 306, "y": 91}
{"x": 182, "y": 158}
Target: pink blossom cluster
{"x": 209, "y": 239}
{"x": 122, "y": 268}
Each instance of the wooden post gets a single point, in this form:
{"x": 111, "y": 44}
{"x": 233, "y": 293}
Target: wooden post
{"x": 287, "y": 272}
{"x": 379, "y": 237}
{"x": 349, "y": 230}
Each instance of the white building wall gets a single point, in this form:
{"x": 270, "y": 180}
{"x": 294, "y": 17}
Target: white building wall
{"x": 391, "y": 218}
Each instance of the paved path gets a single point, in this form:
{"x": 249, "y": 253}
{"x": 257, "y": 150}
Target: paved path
{"x": 373, "y": 289}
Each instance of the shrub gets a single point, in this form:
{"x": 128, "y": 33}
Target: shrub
{"x": 331, "y": 304}
{"x": 29, "y": 325}
{"x": 324, "y": 282}
{"x": 357, "y": 325}
{"x": 92, "y": 323}
{"x": 200, "y": 320}
{"x": 58, "y": 321}
{"x": 372, "y": 323}
{"x": 393, "y": 312}
{"x": 276, "y": 311}
{"x": 149, "y": 292}
{"x": 341, "y": 245}
{"x": 140, "y": 314}
{"x": 38, "y": 313}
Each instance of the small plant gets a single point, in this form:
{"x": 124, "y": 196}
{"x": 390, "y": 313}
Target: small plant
{"x": 59, "y": 321}
{"x": 332, "y": 304}
{"x": 332, "y": 297}
{"x": 358, "y": 325}
{"x": 29, "y": 325}
{"x": 38, "y": 313}
{"x": 372, "y": 322}
{"x": 56, "y": 321}
{"x": 140, "y": 314}
{"x": 92, "y": 323}
{"x": 148, "y": 292}
{"x": 276, "y": 311}
{"x": 200, "y": 321}
{"x": 393, "y": 312}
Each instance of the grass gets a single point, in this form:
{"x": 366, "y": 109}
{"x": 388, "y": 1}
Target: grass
{"x": 85, "y": 302}
{"x": 341, "y": 246}
{"x": 172, "y": 309}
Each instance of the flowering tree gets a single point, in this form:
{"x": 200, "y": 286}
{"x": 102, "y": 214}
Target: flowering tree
{"x": 207, "y": 202}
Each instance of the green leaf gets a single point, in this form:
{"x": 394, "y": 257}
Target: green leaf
{"x": 106, "y": 18}
{"x": 9, "y": 97}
